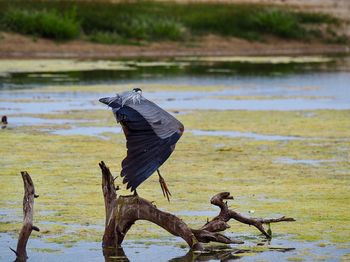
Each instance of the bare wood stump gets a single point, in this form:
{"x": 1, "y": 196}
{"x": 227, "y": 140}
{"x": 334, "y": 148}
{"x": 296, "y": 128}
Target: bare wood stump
{"x": 123, "y": 211}
{"x": 28, "y": 210}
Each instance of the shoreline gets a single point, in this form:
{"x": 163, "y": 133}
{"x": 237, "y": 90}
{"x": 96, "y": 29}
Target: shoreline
{"x": 15, "y": 46}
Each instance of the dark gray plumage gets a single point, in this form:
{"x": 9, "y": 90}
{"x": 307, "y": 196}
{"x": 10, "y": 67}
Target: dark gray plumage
{"x": 151, "y": 135}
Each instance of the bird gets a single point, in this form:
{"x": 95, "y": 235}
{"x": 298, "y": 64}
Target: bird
{"x": 4, "y": 122}
{"x": 151, "y": 135}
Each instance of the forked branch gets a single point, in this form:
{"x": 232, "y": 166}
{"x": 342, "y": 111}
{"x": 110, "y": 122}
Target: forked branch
{"x": 218, "y": 223}
{"x": 123, "y": 211}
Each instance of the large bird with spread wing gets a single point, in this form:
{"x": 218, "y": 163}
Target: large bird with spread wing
{"x": 151, "y": 134}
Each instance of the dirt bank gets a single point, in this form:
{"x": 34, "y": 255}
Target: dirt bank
{"x": 18, "y": 46}
{"x": 338, "y": 8}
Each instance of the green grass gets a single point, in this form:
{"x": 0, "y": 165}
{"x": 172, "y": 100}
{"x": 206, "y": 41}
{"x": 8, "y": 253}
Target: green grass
{"x": 110, "y": 23}
{"x": 43, "y": 23}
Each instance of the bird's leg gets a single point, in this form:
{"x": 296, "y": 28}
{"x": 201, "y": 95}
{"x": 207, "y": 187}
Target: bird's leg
{"x": 137, "y": 197}
{"x": 164, "y": 186}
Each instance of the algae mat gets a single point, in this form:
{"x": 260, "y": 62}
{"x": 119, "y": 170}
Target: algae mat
{"x": 306, "y": 177}
{"x": 67, "y": 177}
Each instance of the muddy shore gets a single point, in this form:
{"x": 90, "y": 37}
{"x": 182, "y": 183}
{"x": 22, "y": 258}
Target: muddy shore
{"x": 19, "y": 46}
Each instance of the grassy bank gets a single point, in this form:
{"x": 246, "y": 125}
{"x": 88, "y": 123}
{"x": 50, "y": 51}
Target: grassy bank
{"x": 148, "y": 21}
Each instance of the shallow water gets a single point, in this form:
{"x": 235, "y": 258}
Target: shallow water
{"x": 88, "y": 130}
{"x": 313, "y": 162}
{"x": 278, "y": 86}
{"x": 301, "y": 87}
{"x": 99, "y": 131}
{"x": 168, "y": 249}
{"x": 243, "y": 134}
{"x": 19, "y": 121}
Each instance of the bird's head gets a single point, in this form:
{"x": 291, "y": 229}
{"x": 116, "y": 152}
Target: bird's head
{"x": 137, "y": 90}
{"x": 135, "y": 96}
{"x": 113, "y": 101}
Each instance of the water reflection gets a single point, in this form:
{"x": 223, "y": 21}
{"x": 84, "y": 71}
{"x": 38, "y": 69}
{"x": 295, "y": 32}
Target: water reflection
{"x": 220, "y": 253}
{"x": 281, "y": 248}
{"x": 115, "y": 254}
{"x": 126, "y": 71}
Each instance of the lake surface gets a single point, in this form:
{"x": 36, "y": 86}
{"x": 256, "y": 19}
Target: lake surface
{"x": 241, "y": 85}
{"x": 169, "y": 250}
{"x": 262, "y": 86}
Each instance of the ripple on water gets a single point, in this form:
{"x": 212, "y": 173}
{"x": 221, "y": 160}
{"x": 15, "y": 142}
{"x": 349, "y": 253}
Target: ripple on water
{"x": 19, "y": 121}
{"x": 244, "y": 134}
{"x": 96, "y": 131}
{"x": 314, "y": 162}
{"x": 99, "y": 131}
{"x": 170, "y": 249}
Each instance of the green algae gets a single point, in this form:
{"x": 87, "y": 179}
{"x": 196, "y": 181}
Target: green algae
{"x": 46, "y": 250}
{"x": 295, "y": 259}
{"x": 261, "y": 59}
{"x": 104, "y": 88}
{"x": 319, "y": 123}
{"x": 57, "y": 65}
{"x": 67, "y": 178}
{"x": 346, "y": 257}
{"x": 269, "y": 97}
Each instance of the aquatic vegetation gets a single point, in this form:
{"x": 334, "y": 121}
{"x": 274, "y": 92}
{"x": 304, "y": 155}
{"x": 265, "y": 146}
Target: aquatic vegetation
{"x": 67, "y": 177}
{"x": 228, "y": 97}
{"x": 103, "y": 88}
{"x": 46, "y": 250}
{"x": 58, "y": 65}
{"x": 306, "y": 177}
{"x": 262, "y": 59}
{"x": 321, "y": 123}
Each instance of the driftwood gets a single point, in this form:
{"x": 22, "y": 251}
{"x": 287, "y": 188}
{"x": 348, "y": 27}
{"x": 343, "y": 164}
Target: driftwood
{"x": 28, "y": 209}
{"x": 123, "y": 211}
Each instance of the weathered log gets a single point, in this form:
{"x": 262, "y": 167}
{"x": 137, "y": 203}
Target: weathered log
{"x": 123, "y": 211}
{"x": 218, "y": 223}
{"x": 28, "y": 210}
{"x": 110, "y": 198}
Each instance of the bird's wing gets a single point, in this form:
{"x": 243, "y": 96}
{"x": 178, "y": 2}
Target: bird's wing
{"x": 161, "y": 122}
{"x": 151, "y": 135}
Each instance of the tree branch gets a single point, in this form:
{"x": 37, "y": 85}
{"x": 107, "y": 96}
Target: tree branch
{"x": 218, "y": 223}
{"x": 28, "y": 210}
{"x": 110, "y": 198}
{"x": 123, "y": 211}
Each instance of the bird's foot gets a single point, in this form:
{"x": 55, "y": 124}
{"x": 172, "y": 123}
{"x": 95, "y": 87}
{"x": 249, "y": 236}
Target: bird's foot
{"x": 164, "y": 187}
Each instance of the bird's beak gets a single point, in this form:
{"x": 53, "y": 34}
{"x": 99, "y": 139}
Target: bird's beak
{"x": 106, "y": 100}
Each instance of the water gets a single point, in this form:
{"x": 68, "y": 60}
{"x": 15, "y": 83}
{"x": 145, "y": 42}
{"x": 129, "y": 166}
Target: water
{"x": 243, "y": 134}
{"x": 169, "y": 249}
{"x": 261, "y": 86}
{"x": 18, "y": 121}
{"x": 99, "y": 131}
{"x": 313, "y": 162}
{"x": 88, "y": 130}
{"x": 294, "y": 86}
